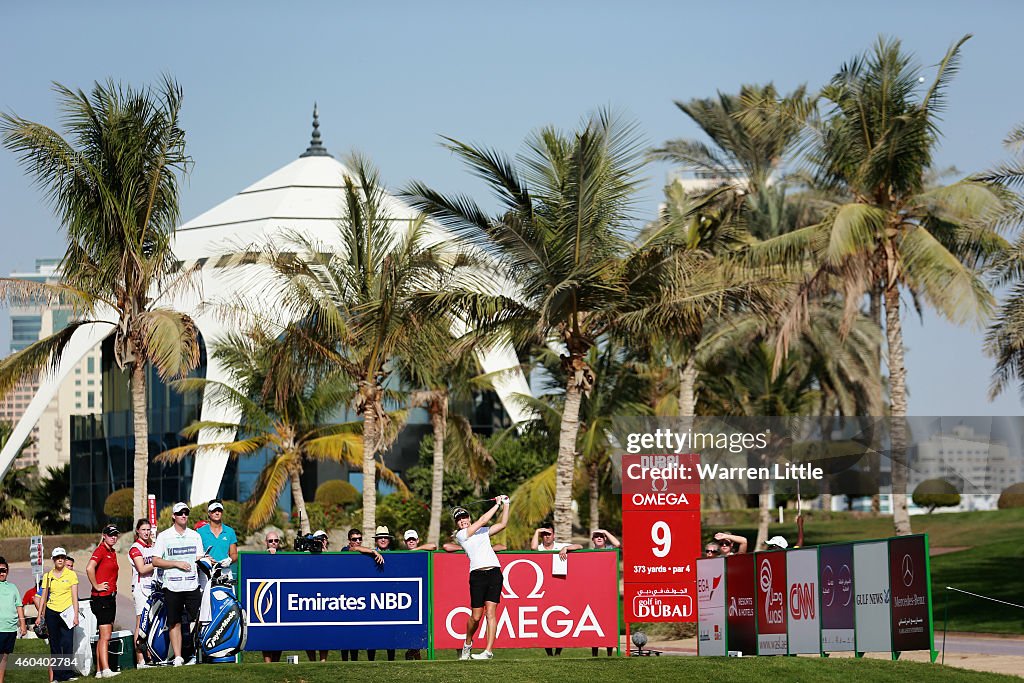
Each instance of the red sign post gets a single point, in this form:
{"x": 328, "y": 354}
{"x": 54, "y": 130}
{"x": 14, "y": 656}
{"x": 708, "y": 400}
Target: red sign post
{"x": 660, "y": 537}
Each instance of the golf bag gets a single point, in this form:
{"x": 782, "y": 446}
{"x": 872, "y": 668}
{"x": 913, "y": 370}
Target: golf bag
{"x": 222, "y": 623}
{"x": 154, "y": 640}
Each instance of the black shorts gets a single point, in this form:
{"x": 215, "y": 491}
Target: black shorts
{"x": 7, "y": 639}
{"x": 104, "y": 607}
{"x": 176, "y": 601}
{"x": 485, "y": 586}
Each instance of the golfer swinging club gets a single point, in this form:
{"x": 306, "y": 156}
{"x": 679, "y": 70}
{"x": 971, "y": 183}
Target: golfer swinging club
{"x": 485, "y": 576}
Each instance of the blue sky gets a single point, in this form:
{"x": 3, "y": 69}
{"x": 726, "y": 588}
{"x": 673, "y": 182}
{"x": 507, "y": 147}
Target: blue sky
{"x": 390, "y": 81}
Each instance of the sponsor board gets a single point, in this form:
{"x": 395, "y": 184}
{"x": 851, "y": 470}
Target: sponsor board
{"x": 837, "y": 597}
{"x": 740, "y": 606}
{"x": 872, "y": 597}
{"x": 804, "y": 618}
{"x": 910, "y": 602}
{"x": 711, "y": 626}
{"x": 299, "y": 601}
{"x": 770, "y": 600}
{"x": 537, "y": 609}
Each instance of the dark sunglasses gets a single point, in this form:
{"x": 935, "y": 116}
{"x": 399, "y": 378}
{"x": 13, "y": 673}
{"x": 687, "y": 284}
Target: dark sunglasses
{"x": 273, "y": 540}
{"x": 545, "y": 533}
{"x": 356, "y": 540}
{"x": 3, "y": 570}
{"x": 709, "y": 552}
{"x": 184, "y": 513}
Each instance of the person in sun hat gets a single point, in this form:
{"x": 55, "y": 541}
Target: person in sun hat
{"x": 777, "y": 543}
{"x": 176, "y": 551}
{"x": 102, "y": 574}
{"x": 60, "y": 594}
{"x": 485, "y": 576}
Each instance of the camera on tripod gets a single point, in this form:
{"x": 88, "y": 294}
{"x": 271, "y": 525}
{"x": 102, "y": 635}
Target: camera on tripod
{"x": 308, "y": 544}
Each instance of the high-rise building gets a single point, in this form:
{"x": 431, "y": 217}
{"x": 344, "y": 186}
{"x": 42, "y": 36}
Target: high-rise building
{"x": 80, "y": 394}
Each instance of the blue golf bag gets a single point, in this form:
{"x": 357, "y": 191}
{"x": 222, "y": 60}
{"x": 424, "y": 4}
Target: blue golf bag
{"x": 154, "y": 640}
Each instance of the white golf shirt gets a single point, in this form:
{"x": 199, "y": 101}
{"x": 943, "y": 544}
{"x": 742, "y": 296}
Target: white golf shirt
{"x": 478, "y": 547}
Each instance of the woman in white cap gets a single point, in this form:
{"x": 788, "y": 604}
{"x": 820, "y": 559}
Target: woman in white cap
{"x": 485, "y": 576}
{"x": 60, "y": 596}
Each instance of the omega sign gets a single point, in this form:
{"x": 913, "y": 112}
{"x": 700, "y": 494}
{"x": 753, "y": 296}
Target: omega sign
{"x": 537, "y": 609}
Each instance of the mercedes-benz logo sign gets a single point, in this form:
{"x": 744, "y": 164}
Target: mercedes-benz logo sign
{"x": 908, "y": 571}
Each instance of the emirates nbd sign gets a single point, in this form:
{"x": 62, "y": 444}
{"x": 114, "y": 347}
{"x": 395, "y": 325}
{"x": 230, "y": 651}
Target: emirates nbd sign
{"x": 301, "y": 601}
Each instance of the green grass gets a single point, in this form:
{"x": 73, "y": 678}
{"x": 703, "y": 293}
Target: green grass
{"x": 532, "y": 665}
{"x": 993, "y": 565}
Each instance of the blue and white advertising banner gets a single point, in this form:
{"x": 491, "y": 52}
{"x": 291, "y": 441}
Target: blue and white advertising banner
{"x": 331, "y": 601}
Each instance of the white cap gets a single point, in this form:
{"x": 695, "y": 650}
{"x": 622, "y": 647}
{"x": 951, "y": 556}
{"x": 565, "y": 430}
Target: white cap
{"x": 318, "y": 533}
{"x": 777, "y": 540}
{"x": 215, "y": 505}
{"x": 58, "y": 552}
{"x": 411, "y": 533}
{"x": 178, "y": 507}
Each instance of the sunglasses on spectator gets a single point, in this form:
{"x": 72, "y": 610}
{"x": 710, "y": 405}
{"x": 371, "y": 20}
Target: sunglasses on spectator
{"x": 710, "y": 551}
{"x": 3, "y": 570}
{"x": 545, "y": 533}
{"x": 358, "y": 539}
{"x": 273, "y": 540}
{"x": 183, "y": 513}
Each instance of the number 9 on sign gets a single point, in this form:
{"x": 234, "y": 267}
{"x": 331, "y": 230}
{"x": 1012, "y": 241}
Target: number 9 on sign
{"x": 661, "y": 535}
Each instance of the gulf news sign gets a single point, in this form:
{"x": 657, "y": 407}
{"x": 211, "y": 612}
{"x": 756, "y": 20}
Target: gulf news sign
{"x": 872, "y": 596}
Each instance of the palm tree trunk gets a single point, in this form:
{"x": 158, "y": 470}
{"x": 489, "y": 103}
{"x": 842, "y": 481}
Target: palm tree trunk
{"x": 370, "y": 441}
{"x": 898, "y": 403}
{"x": 141, "y": 423}
{"x": 874, "y": 459}
{"x": 300, "y": 502}
{"x": 579, "y": 376}
{"x": 439, "y": 421}
{"x": 688, "y": 387}
{"x": 595, "y": 500}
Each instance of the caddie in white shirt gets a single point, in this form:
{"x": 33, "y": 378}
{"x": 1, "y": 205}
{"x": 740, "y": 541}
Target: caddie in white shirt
{"x": 176, "y": 551}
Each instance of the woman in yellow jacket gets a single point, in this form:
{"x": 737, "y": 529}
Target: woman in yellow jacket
{"x": 60, "y": 593}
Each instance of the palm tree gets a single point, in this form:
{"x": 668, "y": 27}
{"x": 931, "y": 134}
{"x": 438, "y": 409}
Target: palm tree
{"x": 114, "y": 186}
{"x": 875, "y": 147}
{"x": 560, "y": 240}
{"x": 356, "y": 306}
{"x": 440, "y": 371}
{"x": 284, "y": 408}
{"x": 1005, "y": 340}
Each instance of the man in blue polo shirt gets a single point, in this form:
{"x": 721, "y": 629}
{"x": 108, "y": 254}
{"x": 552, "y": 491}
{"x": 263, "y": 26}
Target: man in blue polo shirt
{"x": 217, "y": 536}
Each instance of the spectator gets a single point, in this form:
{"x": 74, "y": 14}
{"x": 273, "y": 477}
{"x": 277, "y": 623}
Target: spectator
{"x": 176, "y": 552}
{"x": 731, "y": 544}
{"x": 412, "y": 542}
{"x": 383, "y": 540}
{"x": 141, "y": 557}
{"x": 102, "y": 573}
{"x": 604, "y": 540}
{"x": 544, "y": 541}
{"x": 217, "y": 536}
{"x": 712, "y": 549}
{"x": 273, "y": 543}
{"x": 776, "y": 543}
{"x": 12, "y": 617}
{"x": 60, "y": 597}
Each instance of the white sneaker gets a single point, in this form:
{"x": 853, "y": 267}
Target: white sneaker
{"x": 178, "y": 661}
{"x": 467, "y": 650}
{"x": 486, "y": 654}
{"x": 143, "y": 665}
{"x": 108, "y": 673}
{"x": 191, "y": 662}
{"x": 100, "y": 674}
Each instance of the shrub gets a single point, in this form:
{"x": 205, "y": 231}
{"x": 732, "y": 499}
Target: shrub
{"x": 18, "y": 527}
{"x": 338, "y": 492}
{"x": 400, "y": 512}
{"x": 936, "y": 493}
{"x": 1012, "y": 497}
{"x": 120, "y": 504}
